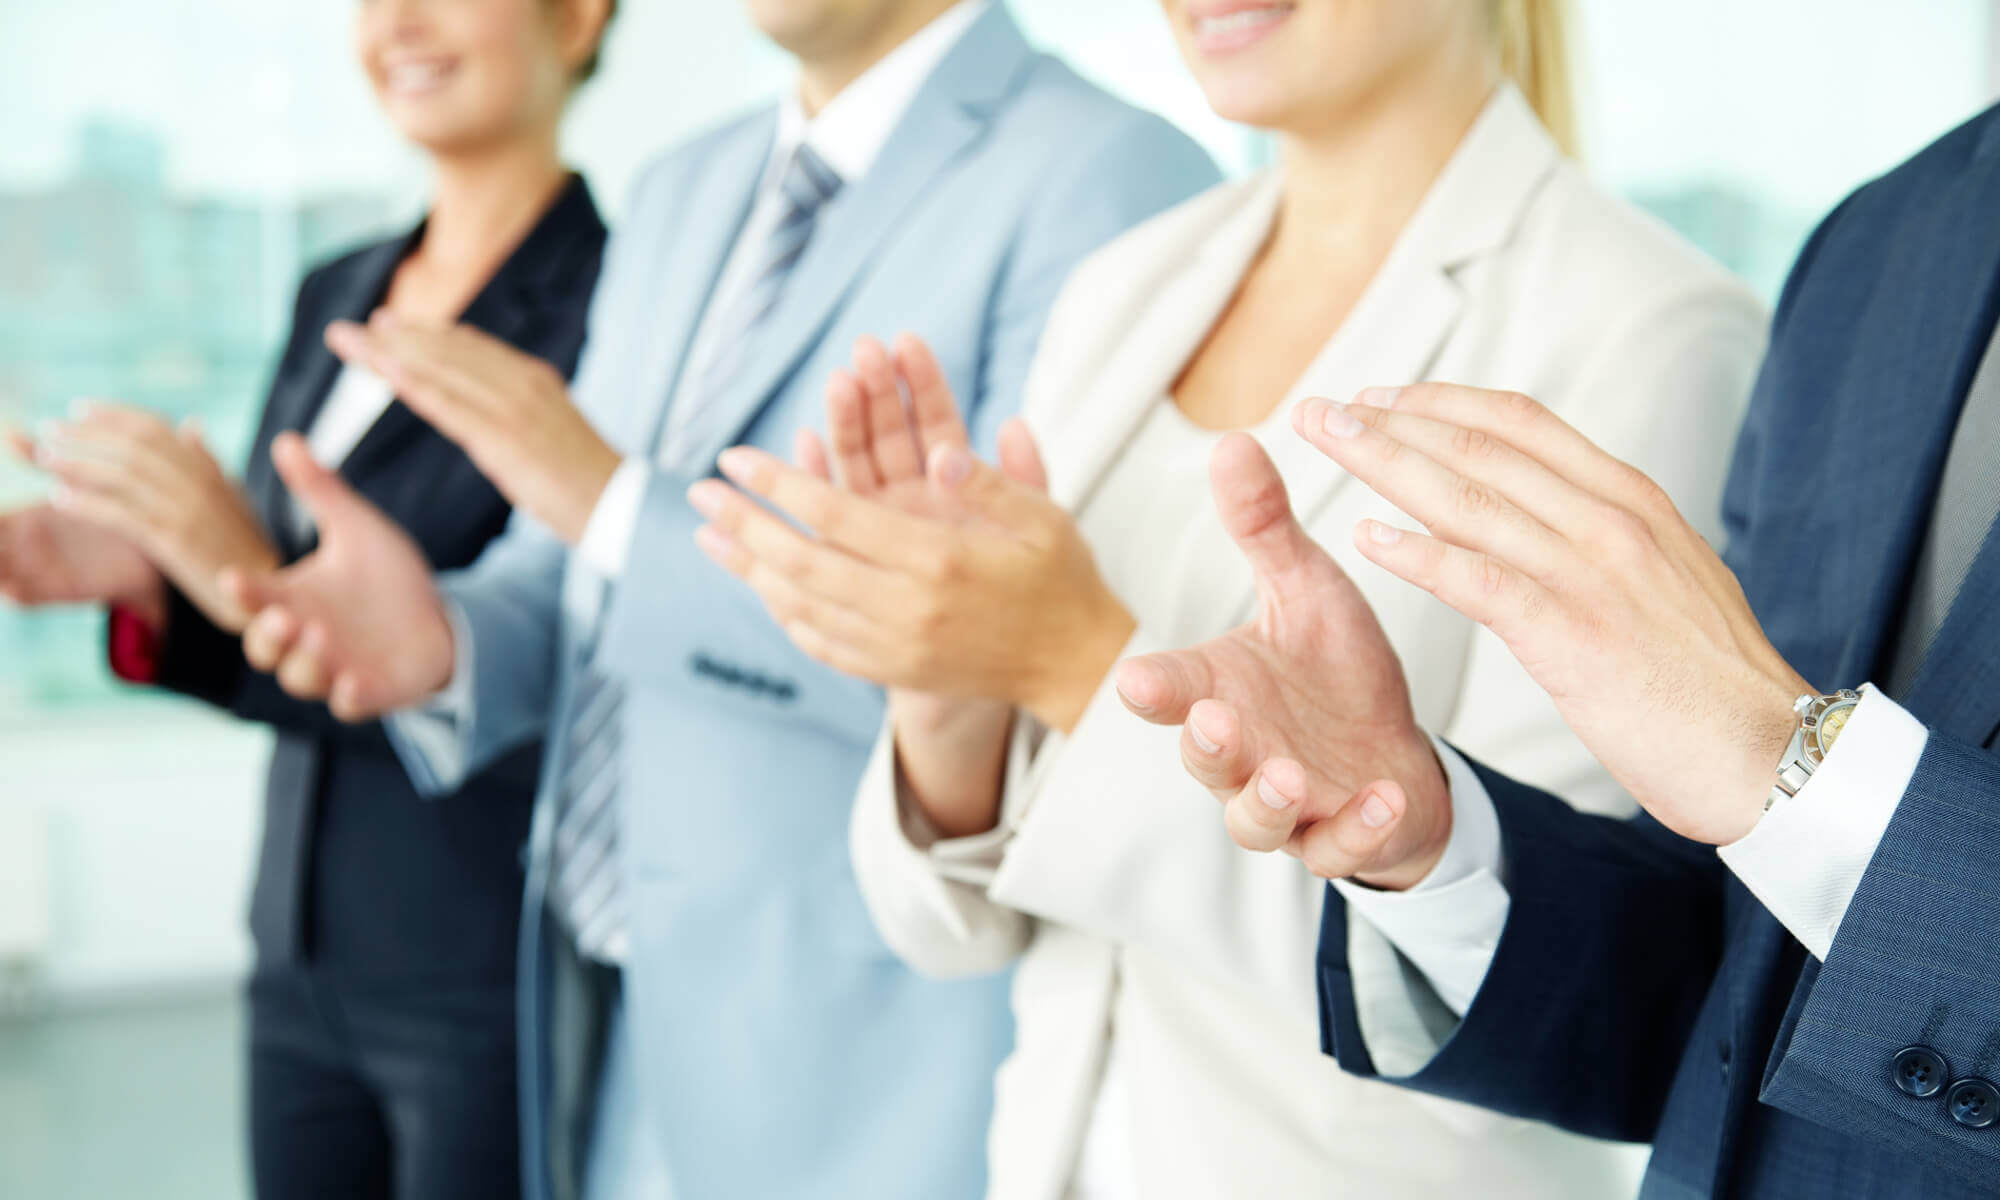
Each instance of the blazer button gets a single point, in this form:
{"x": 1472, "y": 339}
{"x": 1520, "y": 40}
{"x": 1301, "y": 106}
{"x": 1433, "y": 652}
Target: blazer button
{"x": 1973, "y": 1103}
{"x": 1919, "y": 1071}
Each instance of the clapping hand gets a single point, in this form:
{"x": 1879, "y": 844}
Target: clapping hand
{"x": 509, "y": 411}
{"x": 1583, "y": 566}
{"x": 357, "y": 622}
{"x": 1300, "y": 721}
{"x": 159, "y": 493}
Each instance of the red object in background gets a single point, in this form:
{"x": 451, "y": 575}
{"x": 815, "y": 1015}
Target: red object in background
{"x": 134, "y": 646}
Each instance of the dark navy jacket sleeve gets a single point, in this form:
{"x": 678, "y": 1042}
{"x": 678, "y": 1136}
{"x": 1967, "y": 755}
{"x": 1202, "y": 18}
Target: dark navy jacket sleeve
{"x": 1916, "y": 963}
{"x": 1612, "y": 940}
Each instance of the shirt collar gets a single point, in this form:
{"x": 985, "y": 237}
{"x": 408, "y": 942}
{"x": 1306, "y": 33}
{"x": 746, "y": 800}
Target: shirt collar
{"x": 850, "y": 131}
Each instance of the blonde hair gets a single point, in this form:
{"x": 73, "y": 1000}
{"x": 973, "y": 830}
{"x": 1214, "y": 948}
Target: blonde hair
{"x": 1534, "y": 52}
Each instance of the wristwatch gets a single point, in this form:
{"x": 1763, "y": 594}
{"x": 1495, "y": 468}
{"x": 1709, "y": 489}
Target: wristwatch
{"x": 1821, "y": 719}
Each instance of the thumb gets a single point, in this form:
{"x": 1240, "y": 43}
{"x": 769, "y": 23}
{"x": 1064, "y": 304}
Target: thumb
{"x": 325, "y": 494}
{"x": 1019, "y": 456}
{"x": 250, "y": 591}
{"x": 1162, "y": 687}
{"x": 985, "y": 489}
{"x": 1250, "y": 497}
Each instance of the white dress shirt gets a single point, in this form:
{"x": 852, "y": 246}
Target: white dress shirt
{"x": 1803, "y": 862}
{"x": 848, "y": 133}
{"x": 358, "y": 400}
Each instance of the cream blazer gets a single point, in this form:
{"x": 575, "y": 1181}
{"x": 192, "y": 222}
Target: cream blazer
{"x": 1110, "y": 881}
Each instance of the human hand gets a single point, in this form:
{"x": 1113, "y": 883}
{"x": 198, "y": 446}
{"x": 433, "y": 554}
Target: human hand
{"x": 951, "y": 749}
{"x": 159, "y": 489}
{"x": 49, "y": 557}
{"x": 358, "y": 622}
{"x": 1603, "y": 591}
{"x": 1300, "y": 721}
{"x": 1005, "y": 604}
{"x": 510, "y": 412}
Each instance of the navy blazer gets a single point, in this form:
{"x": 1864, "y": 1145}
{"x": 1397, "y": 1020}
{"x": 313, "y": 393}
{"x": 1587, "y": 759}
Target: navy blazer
{"x": 1639, "y": 991}
{"x": 356, "y": 870}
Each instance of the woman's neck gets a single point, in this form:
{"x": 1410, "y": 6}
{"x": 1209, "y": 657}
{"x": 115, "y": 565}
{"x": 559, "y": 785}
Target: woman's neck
{"x": 485, "y": 202}
{"x": 1353, "y": 183}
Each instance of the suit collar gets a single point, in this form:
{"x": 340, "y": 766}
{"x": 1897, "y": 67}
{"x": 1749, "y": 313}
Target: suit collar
{"x": 948, "y": 114}
{"x": 1392, "y": 335}
{"x": 540, "y": 275}
{"x": 1946, "y": 293}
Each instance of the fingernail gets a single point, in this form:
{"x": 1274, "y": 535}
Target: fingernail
{"x": 1339, "y": 423}
{"x": 955, "y": 466}
{"x": 1208, "y": 744}
{"x": 704, "y": 500}
{"x": 59, "y": 496}
{"x": 1384, "y": 535}
{"x": 1375, "y": 811}
{"x": 1270, "y": 795}
{"x": 736, "y": 463}
{"x": 82, "y": 407}
{"x": 383, "y": 318}
{"x": 1378, "y": 397}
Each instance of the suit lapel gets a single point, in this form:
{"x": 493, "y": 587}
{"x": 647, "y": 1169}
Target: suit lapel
{"x": 948, "y": 114}
{"x": 1944, "y": 334}
{"x": 1958, "y": 689}
{"x": 351, "y": 295}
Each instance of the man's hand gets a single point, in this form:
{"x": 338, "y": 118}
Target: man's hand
{"x": 1300, "y": 722}
{"x": 1583, "y": 566}
{"x": 510, "y": 412}
{"x": 358, "y": 621}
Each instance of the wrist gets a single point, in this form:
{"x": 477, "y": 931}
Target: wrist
{"x": 582, "y": 490}
{"x": 1079, "y": 664}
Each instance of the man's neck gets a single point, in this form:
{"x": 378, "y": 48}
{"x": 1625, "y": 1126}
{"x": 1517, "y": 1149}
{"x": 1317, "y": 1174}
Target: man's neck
{"x": 823, "y": 77}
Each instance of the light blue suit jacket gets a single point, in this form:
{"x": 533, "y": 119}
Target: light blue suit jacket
{"x": 782, "y": 1049}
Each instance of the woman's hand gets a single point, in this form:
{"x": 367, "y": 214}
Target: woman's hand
{"x": 48, "y": 556}
{"x": 951, "y": 750}
{"x": 1004, "y": 602}
{"x": 160, "y": 490}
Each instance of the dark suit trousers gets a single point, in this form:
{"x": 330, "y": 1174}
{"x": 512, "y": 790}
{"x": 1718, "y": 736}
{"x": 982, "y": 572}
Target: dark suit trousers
{"x": 400, "y": 1089}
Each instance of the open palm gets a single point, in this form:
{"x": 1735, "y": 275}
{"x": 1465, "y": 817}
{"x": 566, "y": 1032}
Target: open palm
{"x": 1299, "y": 718}
{"x": 358, "y": 621}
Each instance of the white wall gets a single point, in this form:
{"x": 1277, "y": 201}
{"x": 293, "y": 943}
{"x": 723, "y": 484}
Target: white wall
{"x": 152, "y": 813}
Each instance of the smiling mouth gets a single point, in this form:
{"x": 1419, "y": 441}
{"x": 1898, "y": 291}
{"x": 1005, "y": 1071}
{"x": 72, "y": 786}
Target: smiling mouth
{"x": 1222, "y": 32}
{"x": 418, "y": 77}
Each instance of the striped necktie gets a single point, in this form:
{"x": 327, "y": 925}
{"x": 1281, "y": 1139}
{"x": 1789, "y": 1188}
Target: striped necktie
{"x": 805, "y": 187}
{"x": 585, "y": 886}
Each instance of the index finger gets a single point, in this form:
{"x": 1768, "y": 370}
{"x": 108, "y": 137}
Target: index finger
{"x": 869, "y": 529}
{"x": 1521, "y": 422}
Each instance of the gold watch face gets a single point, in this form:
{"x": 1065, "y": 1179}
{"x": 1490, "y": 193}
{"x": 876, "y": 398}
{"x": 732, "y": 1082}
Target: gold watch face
{"x": 1831, "y": 722}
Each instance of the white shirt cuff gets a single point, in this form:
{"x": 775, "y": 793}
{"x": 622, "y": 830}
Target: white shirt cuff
{"x": 607, "y": 536}
{"x": 436, "y": 730}
{"x": 1806, "y": 857}
{"x": 1448, "y": 925}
